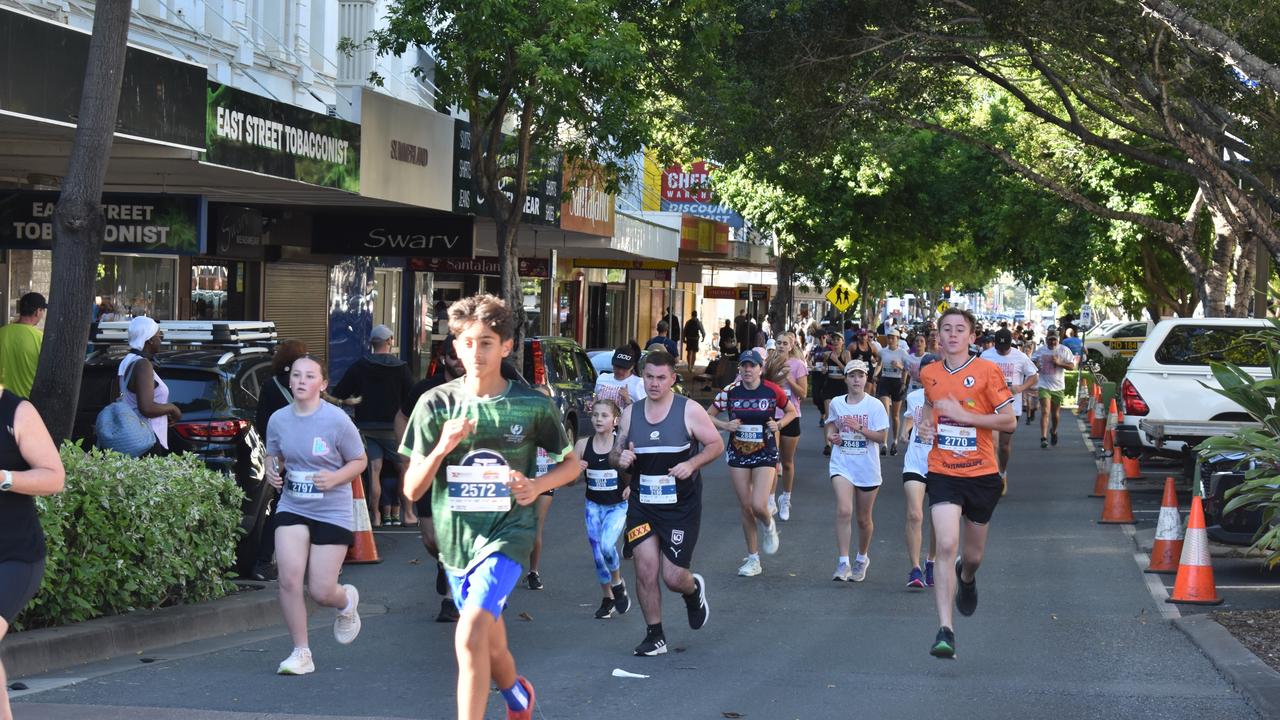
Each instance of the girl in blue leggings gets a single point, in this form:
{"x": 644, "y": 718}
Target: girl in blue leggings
{"x": 606, "y": 506}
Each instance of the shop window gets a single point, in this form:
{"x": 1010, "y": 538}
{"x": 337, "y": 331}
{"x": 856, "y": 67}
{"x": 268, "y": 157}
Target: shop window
{"x": 386, "y": 302}
{"x": 130, "y": 286}
{"x": 29, "y": 271}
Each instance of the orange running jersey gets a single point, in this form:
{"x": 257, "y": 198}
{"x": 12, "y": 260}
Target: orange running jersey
{"x": 961, "y": 450}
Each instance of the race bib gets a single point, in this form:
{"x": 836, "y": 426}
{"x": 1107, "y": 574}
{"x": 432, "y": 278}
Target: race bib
{"x": 853, "y": 443}
{"x": 749, "y": 434}
{"x": 602, "y": 480}
{"x": 957, "y": 438}
{"x": 657, "y": 490}
{"x": 478, "y": 488}
{"x": 302, "y": 486}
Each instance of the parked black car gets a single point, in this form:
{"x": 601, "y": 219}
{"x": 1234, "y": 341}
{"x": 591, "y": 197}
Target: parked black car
{"x": 217, "y": 391}
{"x": 1238, "y": 527}
{"x": 561, "y": 367}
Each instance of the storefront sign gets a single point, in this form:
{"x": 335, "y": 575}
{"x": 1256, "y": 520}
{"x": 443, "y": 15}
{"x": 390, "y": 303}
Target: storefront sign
{"x": 755, "y": 292}
{"x": 251, "y": 132}
{"x": 528, "y": 267}
{"x": 407, "y": 152}
{"x": 622, "y": 264}
{"x": 703, "y": 237}
{"x": 236, "y": 232}
{"x": 685, "y": 189}
{"x": 636, "y": 236}
{"x": 42, "y": 75}
{"x": 542, "y": 200}
{"x": 719, "y": 292}
{"x": 166, "y": 224}
{"x": 589, "y": 209}
{"x": 398, "y": 235}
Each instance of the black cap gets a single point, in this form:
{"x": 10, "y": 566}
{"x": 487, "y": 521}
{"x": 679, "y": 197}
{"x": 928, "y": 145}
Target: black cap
{"x": 1004, "y": 339}
{"x": 623, "y": 358}
{"x": 31, "y": 302}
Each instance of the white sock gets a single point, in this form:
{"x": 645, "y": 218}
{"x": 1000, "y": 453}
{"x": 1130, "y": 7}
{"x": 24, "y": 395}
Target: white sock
{"x": 347, "y": 610}
{"x": 842, "y": 560}
{"x": 862, "y": 558}
{"x": 754, "y": 556}
{"x": 786, "y": 496}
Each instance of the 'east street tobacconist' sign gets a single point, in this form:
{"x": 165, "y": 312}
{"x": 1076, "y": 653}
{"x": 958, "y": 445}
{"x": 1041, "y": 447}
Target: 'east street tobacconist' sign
{"x": 529, "y": 267}
{"x": 166, "y": 224}
{"x": 398, "y": 235}
{"x": 251, "y": 132}
{"x": 542, "y": 201}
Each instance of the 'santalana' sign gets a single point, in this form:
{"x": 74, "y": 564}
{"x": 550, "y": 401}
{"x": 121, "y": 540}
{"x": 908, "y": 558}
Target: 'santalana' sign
{"x": 398, "y": 235}
{"x": 251, "y": 132}
{"x": 529, "y": 267}
{"x": 134, "y": 223}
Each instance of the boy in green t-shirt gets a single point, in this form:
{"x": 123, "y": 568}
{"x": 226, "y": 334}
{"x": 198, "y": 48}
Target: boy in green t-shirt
{"x": 473, "y": 444}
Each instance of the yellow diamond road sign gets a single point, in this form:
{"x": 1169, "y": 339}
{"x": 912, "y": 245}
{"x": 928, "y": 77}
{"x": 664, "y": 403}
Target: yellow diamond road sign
{"x": 842, "y": 295}
{"x": 942, "y": 306}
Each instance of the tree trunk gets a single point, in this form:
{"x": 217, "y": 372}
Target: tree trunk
{"x": 78, "y": 223}
{"x": 509, "y": 282}
{"x": 1216, "y": 275}
{"x": 780, "y": 308}
{"x": 1246, "y": 255}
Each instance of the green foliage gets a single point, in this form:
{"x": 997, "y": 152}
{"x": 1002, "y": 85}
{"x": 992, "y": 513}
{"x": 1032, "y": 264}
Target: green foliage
{"x": 131, "y": 534}
{"x": 1261, "y": 446}
{"x": 1113, "y": 368}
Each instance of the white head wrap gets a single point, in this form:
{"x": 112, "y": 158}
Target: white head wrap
{"x": 142, "y": 329}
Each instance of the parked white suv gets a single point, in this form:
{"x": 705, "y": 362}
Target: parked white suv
{"x": 1164, "y": 379}
{"x": 1115, "y": 338}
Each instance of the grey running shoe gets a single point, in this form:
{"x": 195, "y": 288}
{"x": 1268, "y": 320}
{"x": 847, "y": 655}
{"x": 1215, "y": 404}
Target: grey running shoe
{"x": 860, "y": 569}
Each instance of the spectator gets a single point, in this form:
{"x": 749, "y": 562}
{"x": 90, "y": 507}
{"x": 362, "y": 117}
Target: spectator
{"x": 142, "y": 389}
{"x": 20, "y": 345}
{"x": 694, "y": 334}
{"x": 381, "y": 381}
{"x": 674, "y": 326}
{"x": 727, "y": 335}
{"x": 663, "y": 339}
{"x": 742, "y": 327}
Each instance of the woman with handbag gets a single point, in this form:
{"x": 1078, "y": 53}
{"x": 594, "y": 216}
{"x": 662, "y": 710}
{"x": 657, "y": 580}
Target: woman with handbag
{"x": 140, "y": 387}
{"x": 29, "y": 466}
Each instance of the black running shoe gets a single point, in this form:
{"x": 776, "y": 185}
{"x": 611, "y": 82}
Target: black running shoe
{"x": 944, "y": 645}
{"x": 654, "y": 644}
{"x": 1044, "y": 443}
{"x": 534, "y": 582}
{"x": 606, "y": 609}
{"x": 448, "y": 611}
{"x": 621, "y": 600}
{"x": 442, "y": 582}
{"x": 696, "y": 603}
{"x": 893, "y": 449}
{"x": 1053, "y": 438}
{"x": 966, "y": 594}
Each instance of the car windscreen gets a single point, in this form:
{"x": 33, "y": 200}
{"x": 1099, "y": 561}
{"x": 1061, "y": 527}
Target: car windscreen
{"x": 1200, "y": 345}
{"x": 194, "y": 391}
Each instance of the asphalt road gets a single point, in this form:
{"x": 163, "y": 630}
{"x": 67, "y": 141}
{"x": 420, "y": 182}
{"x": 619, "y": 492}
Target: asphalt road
{"x": 1066, "y": 628}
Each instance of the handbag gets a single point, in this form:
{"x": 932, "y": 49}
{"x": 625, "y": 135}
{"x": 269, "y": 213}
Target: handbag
{"x": 121, "y": 428}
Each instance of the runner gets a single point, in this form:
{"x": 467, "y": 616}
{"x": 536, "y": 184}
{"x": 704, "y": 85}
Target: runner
{"x": 606, "y": 507}
{"x": 833, "y": 383}
{"x": 794, "y": 376}
{"x": 622, "y": 386}
{"x": 915, "y": 471}
{"x": 656, "y": 439}
{"x": 891, "y": 390}
{"x": 966, "y": 399}
{"x": 313, "y": 453}
{"x": 751, "y": 406}
{"x": 473, "y": 444}
{"x": 1052, "y": 359}
{"x": 913, "y": 362}
{"x": 1030, "y": 398}
{"x": 1019, "y": 375}
{"x": 856, "y": 424}
{"x": 866, "y": 349}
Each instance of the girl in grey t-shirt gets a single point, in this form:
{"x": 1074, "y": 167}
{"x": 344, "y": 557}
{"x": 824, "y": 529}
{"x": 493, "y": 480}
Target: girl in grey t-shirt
{"x": 314, "y": 453}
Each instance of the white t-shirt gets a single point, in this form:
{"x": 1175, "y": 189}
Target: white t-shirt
{"x": 1016, "y": 367}
{"x": 609, "y": 387}
{"x": 1052, "y": 377}
{"x": 854, "y": 456}
{"x": 917, "y": 458}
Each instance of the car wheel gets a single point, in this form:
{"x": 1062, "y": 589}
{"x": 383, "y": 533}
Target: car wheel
{"x": 571, "y": 429}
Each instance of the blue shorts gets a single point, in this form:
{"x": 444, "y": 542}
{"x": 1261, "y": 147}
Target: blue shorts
{"x": 379, "y": 444}
{"x": 487, "y": 585}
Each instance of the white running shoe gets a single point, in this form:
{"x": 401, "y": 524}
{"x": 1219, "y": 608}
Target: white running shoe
{"x": 346, "y": 626}
{"x": 784, "y": 507}
{"x": 750, "y": 567}
{"x": 298, "y": 663}
{"x": 843, "y": 573}
{"x": 773, "y": 505}
{"x": 860, "y": 569}
{"x": 769, "y": 539}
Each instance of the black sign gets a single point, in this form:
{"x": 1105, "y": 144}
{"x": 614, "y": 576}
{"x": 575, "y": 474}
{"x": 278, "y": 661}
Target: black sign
{"x": 236, "y": 232}
{"x": 542, "y": 202}
{"x": 399, "y": 235}
{"x": 255, "y": 133}
{"x": 42, "y": 74}
{"x": 526, "y": 267}
{"x": 166, "y": 224}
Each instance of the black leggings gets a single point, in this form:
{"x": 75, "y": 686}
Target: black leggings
{"x": 19, "y": 582}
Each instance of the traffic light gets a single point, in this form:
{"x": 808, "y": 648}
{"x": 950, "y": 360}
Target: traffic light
{"x": 946, "y": 292}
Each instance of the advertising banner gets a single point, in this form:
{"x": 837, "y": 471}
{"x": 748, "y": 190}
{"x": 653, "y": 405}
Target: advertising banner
{"x": 42, "y": 75}
{"x": 700, "y": 236}
{"x": 622, "y": 264}
{"x": 251, "y": 132}
{"x": 589, "y": 209}
{"x": 166, "y": 224}
{"x": 235, "y": 232}
{"x": 686, "y": 189}
{"x": 407, "y": 152}
{"x": 398, "y": 235}
{"x": 529, "y": 267}
{"x": 542, "y": 202}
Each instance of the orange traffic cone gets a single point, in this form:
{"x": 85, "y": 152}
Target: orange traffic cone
{"x": 1132, "y": 469}
{"x": 1194, "y": 584}
{"x": 1108, "y": 435}
{"x": 1167, "y": 548}
{"x": 1098, "y": 421}
{"x": 1116, "y": 508}
{"x": 1103, "y": 478}
{"x": 364, "y": 551}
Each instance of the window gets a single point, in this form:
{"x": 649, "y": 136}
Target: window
{"x": 1134, "y": 330}
{"x": 270, "y": 22}
{"x": 129, "y": 286}
{"x": 1199, "y": 345}
{"x": 586, "y": 371}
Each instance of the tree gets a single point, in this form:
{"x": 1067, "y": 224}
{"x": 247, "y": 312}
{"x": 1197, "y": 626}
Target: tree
{"x": 78, "y": 223}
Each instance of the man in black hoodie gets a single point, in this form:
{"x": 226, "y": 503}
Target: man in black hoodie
{"x": 381, "y": 380}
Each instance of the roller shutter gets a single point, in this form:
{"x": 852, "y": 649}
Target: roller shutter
{"x": 296, "y": 299}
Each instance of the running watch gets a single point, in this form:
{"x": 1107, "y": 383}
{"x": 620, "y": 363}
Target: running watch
{"x": 7, "y": 483}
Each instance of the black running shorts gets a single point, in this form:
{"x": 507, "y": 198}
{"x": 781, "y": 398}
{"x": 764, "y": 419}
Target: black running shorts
{"x": 676, "y": 532}
{"x": 890, "y": 387}
{"x": 976, "y": 496}
{"x": 791, "y": 429}
{"x": 322, "y": 533}
{"x": 19, "y": 582}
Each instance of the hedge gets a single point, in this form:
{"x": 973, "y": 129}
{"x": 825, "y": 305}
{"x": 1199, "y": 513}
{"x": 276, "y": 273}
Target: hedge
{"x": 129, "y": 534}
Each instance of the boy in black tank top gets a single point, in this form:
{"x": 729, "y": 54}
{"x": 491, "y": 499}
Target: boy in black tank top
{"x": 606, "y": 507}
{"x": 657, "y": 443}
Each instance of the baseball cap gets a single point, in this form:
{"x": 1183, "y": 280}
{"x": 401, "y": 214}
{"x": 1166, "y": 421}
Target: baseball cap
{"x": 622, "y": 358}
{"x": 380, "y": 333}
{"x": 928, "y": 359}
{"x": 1053, "y": 333}
{"x": 1004, "y": 339}
{"x": 856, "y": 366}
{"x": 750, "y": 356}
{"x": 771, "y": 344}
{"x": 29, "y": 303}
